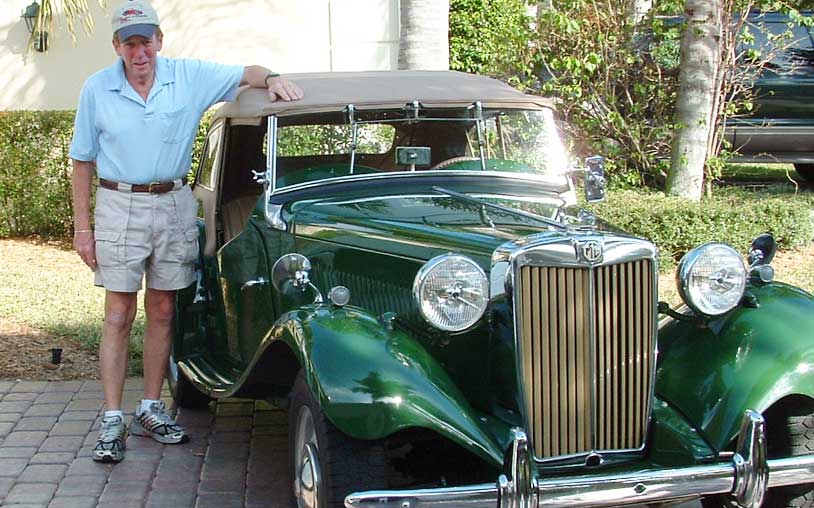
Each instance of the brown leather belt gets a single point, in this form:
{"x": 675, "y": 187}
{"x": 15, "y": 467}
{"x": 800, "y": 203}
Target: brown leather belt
{"x": 150, "y": 188}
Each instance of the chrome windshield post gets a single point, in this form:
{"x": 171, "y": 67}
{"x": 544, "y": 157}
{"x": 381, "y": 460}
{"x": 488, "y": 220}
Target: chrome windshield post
{"x": 477, "y": 114}
{"x": 350, "y": 109}
{"x": 273, "y": 213}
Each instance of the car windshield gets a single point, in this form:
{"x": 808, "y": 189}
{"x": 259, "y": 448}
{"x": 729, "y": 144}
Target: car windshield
{"x": 318, "y": 147}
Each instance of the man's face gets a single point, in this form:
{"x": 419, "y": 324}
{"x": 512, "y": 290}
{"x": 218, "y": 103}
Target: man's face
{"x": 139, "y": 55}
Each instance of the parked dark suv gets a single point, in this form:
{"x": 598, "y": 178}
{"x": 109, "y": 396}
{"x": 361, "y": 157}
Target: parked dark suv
{"x": 781, "y": 128}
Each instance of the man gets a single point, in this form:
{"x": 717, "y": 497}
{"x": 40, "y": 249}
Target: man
{"x": 135, "y": 126}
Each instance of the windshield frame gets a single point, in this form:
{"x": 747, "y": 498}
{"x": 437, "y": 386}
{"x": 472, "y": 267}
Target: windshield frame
{"x": 269, "y": 179}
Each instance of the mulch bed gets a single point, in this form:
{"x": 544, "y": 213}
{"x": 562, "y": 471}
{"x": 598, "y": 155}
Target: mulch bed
{"x": 25, "y": 354}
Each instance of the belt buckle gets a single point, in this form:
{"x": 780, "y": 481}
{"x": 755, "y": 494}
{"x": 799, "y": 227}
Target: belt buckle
{"x": 150, "y": 187}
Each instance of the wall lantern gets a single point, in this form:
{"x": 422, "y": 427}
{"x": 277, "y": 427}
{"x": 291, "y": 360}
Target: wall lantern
{"x": 30, "y": 15}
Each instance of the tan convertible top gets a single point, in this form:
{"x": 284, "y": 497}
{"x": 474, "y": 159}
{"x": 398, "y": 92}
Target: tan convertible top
{"x": 332, "y": 91}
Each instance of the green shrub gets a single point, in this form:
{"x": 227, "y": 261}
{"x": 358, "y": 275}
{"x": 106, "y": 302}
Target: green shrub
{"x": 490, "y": 37}
{"x": 35, "y": 172}
{"x": 732, "y": 216}
{"x": 200, "y": 139}
{"x": 35, "y": 181}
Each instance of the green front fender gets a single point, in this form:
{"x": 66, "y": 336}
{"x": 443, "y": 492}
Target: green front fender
{"x": 747, "y": 359}
{"x": 372, "y": 381}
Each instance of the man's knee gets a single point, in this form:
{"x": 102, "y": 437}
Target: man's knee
{"x": 120, "y": 310}
{"x": 159, "y": 306}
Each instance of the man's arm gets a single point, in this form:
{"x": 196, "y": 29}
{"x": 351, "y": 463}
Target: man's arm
{"x": 83, "y": 240}
{"x": 278, "y": 87}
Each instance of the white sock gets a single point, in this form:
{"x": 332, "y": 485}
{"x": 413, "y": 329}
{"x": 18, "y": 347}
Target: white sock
{"x": 145, "y": 405}
{"x": 115, "y": 412}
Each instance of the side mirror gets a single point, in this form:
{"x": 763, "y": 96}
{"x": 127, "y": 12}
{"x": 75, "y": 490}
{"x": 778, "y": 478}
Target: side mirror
{"x": 291, "y": 274}
{"x": 595, "y": 179}
{"x": 762, "y": 250}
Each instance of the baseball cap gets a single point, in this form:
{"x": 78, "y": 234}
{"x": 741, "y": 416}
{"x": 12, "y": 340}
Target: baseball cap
{"x": 134, "y": 17}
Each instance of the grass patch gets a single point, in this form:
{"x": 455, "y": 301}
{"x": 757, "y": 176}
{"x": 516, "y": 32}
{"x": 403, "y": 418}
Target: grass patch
{"x": 761, "y": 173}
{"x": 47, "y": 286}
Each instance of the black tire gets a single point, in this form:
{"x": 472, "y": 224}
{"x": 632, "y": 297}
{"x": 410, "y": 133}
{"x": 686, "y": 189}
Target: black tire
{"x": 790, "y": 432}
{"x": 806, "y": 171}
{"x": 182, "y": 390}
{"x": 343, "y": 464}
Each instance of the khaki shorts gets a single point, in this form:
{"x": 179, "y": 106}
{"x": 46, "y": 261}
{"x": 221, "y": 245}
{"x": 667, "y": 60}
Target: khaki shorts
{"x": 139, "y": 233}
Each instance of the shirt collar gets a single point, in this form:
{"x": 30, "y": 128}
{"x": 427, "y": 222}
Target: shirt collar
{"x": 163, "y": 74}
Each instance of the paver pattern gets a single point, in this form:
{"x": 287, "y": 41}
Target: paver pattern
{"x": 236, "y": 456}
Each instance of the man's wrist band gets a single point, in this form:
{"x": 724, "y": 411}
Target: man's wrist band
{"x": 82, "y": 231}
{"x": 270, "y": 75}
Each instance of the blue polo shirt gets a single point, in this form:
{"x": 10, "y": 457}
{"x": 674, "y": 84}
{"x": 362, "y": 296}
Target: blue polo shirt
{"x": 136, "y": 141}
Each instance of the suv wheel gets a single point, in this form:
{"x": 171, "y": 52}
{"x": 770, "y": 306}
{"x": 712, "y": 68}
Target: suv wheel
{"x": 806, "y": 171}
{"x": 326, "y": 465}
{"x": 183, "y": 392}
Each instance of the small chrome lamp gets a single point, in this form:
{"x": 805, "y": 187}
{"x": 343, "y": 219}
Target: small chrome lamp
{"x": 30, "y": 15}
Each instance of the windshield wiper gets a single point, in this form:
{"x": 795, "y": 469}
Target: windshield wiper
{"x": 465, "y": 197}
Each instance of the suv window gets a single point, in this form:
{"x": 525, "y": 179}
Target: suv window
{"x": 787, "y": 45}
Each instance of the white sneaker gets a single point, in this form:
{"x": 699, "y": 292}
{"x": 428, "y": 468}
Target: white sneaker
{"x": 157, "y": 424}
{"x": 110, "y": 444}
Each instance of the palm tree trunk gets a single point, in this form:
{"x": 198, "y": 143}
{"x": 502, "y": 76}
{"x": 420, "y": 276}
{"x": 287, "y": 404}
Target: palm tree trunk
{"x": 696, "y": 99}
{"x": 424, "y": 41}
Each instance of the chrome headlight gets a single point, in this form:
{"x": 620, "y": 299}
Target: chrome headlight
{"x": 452, "y": 292}
{"x": 711, "y": 278}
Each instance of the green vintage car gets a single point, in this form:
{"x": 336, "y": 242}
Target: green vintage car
{"x": 399, "y": 262}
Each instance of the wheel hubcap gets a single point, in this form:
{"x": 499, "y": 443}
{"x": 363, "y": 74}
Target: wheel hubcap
{"x": 307, "y": 468}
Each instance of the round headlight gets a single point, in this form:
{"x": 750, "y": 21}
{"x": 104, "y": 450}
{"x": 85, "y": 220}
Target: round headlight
{"x": 711, "y": 278}
{"x": 452, "y": 292}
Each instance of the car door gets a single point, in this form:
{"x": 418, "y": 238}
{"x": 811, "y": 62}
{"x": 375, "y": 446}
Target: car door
{"x": 242, "y": 259}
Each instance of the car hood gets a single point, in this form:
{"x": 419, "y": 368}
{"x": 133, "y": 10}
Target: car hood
{"x": 421, "y": 226}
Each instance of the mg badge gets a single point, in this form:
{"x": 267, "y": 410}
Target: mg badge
{"x": 590, "y": 251}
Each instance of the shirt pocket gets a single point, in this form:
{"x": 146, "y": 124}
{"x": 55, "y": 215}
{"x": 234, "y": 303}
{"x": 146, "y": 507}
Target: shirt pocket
{"x": 171, "y": 125}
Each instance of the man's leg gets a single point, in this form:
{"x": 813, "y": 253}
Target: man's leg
{"x": 151, "y": 417}
{"x": 120, "y": 310}
{"x": 159, "y": 305}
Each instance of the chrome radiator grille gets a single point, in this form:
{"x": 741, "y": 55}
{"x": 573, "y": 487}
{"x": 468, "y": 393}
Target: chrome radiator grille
{"x": 587, "y": 341}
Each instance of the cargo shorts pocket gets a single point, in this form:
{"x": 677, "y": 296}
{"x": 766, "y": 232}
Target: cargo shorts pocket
{"x": 109, "y": 249}
{"x": 187, "y": 246}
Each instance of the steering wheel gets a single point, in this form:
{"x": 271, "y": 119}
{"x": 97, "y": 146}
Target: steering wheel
{"x": 454, "y": 160}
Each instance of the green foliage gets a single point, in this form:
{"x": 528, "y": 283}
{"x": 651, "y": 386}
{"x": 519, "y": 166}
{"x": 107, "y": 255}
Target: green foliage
{"x": 733, "y": 216}
{"x": 35, "y": 172}
{"x": 35, "y": 181}
{"x": 491, "y": 37}
{"x": 200, "y": 139}
{"x": 616, "y": 82}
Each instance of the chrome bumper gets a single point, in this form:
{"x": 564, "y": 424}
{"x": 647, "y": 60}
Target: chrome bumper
{"x": 745, "y": 478}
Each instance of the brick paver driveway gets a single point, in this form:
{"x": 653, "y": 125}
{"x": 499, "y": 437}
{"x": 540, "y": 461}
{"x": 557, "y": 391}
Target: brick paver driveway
{"x": 236, "y": 457}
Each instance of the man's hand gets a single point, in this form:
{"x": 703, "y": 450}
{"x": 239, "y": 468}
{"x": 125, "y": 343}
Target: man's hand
{"x": 280, "y": 88}
{"x": 85, "y": 246}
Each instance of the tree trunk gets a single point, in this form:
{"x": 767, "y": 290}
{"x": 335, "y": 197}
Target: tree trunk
{"x": 696, "y": 97}
{"x": 424, "y": 41}
{"x": 640, "y": 10}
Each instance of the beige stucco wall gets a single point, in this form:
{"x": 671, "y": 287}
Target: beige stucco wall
{"x": 309, "y": 35}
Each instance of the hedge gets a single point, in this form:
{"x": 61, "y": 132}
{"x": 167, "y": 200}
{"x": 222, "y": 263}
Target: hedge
{"x": 35, "y": 197}
{"x": 35, "y": 183}
{"x": 35, "y": 172}
{"x": 731, "y": 215}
